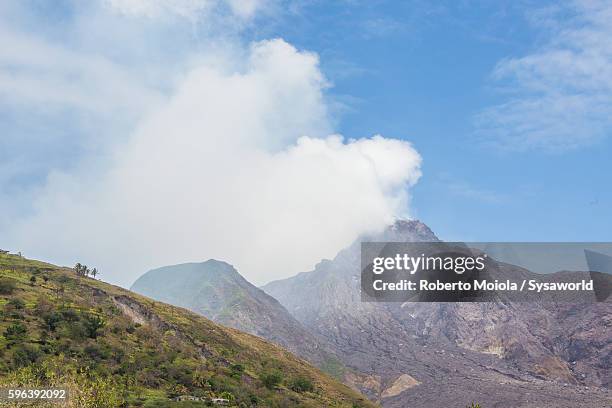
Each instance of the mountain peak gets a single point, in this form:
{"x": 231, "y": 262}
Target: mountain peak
{"x": 216, "y": 290}
{"x": 213, "y": 261}
{"x": 404, "y": 230}
{"x": 401, "y": 224}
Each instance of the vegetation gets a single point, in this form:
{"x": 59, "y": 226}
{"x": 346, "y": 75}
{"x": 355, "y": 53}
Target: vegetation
{"x": 7, "y": 286}
{"x": 272, "y": 379}
{"x": 301, "y": 384}
{"x": 113, "y": 348}
{"x": 83, "y": 270}
{"x": 473, "y": 405}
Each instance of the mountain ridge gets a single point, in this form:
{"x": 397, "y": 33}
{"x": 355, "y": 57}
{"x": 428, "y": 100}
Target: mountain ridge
{"x": 215, "y": 289}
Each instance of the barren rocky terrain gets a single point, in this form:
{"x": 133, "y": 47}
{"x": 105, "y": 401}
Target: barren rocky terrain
{"x": 504, "y": 353}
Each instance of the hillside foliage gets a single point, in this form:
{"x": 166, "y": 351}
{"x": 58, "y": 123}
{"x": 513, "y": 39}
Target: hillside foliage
{"x": 113, "y": 348}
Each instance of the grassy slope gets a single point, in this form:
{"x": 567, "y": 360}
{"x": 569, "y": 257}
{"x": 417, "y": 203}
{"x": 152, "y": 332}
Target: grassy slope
{"x": 145, "y": 352}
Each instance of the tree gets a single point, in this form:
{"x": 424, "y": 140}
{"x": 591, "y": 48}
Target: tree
{"x": 83, "y": 270}
{"x": 78, "y": 268}
{"x": 94, "y": 272}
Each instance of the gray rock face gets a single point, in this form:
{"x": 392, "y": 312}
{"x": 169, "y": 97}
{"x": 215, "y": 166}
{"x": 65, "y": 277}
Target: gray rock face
{"x": 216, "y": 290}
{"x": 450, "y": 354}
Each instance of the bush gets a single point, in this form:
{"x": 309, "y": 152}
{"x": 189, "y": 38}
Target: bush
{"x": 15, "y": 332}
{"x": 271, "y": 379}
{"x": 69, "y": 315}
{"x": 7, "y": 286}
{"x": 237, "y": 370}
{"x": 97, "y": 352}
{"x": 52, "y": 320}
{"x": 25, "y": 355}
{"x": 16, "y": 303}
{"x": 14, "y": 308}
{"x": 301, "y": 384}
{"x": 93, "y": 324}
{"x": 43, "y": 306}
{"x": 69, "y": 332}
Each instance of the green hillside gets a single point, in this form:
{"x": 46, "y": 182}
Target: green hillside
{"x": 114, "y": 348}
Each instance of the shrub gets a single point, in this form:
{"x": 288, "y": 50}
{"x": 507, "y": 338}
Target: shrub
{"x": 15, "y": 332}
{"x": 43, "y": 306}
{"x": 237, "y": 370}
{"x": 97, "y": 352}
{"x": 7, "y": 286}
{"x": 271, "y": 379}
{"x": 301, "y": 384}
{"x": 64, "y": 279}
{"x": 69, "y": 332}
{"x": 69, "y": 315}
{"x": 16, "y": 303}
{"x": 473, "y": 405}
{"x": 228, "y": 396}
{"x": 93, "y": 324}
{"x": 52, "y": 320}
{"x": 25, "y": 355}
{"x": 14, "y": 308}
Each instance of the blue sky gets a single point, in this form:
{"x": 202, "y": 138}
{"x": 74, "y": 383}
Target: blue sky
{"x": 424, "y": 73}
{"x": 124, "y": 120}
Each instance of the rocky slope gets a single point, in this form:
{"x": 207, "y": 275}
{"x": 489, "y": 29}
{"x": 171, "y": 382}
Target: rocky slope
{"x": 216, "y": 290}
{"x": 435, "y": 354}
{"x": 113, "y": 348}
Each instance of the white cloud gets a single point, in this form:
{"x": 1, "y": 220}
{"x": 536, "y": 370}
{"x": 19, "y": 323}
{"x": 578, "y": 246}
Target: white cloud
{"x": 189, "y": 9}
{"x": 160, "y": 8}
{"x": 560, "y": 96}
{"x": 38, "y": 73}
{"x": 245, "y": 8}
{"x": 66, "y": 96}
{"x": 231, "y": 166}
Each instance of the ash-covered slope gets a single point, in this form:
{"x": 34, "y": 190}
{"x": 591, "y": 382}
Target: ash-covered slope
{"x": 216, "y": 290}
{"x": 437, "y": 354}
